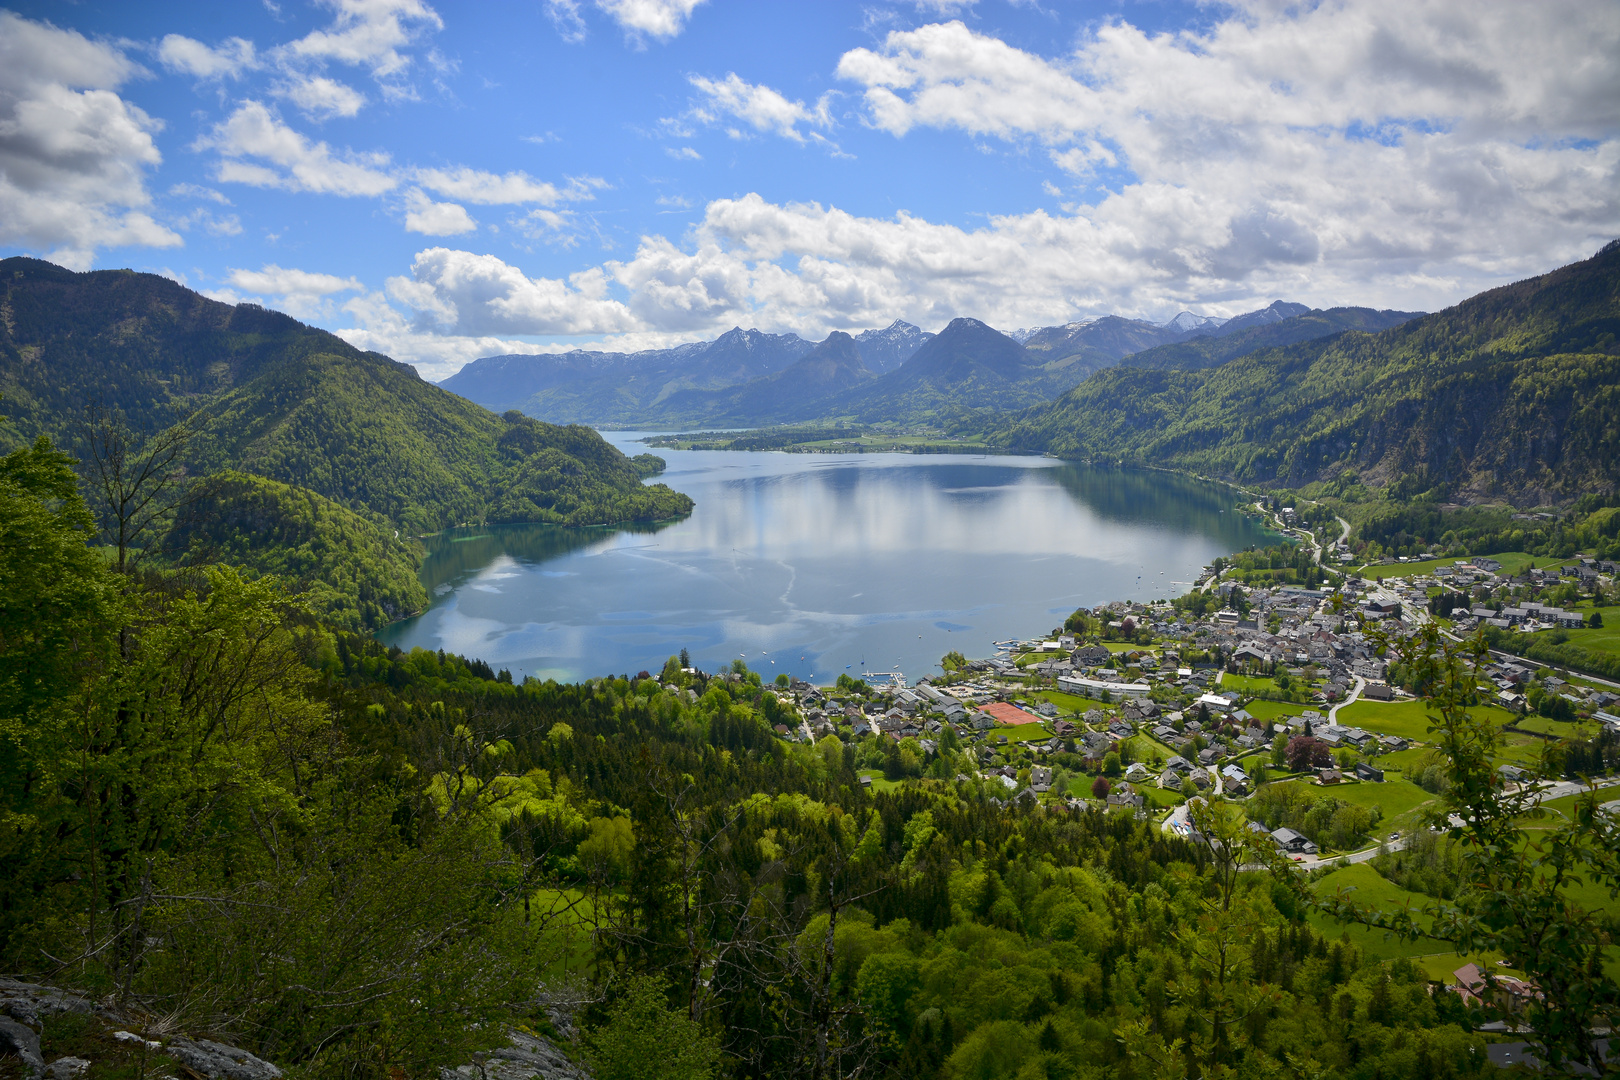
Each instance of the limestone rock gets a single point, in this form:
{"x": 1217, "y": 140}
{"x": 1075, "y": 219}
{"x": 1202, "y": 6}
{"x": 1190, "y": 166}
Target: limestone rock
{"x": 530, "y": 1057}
{"x": 218, "y": 1061}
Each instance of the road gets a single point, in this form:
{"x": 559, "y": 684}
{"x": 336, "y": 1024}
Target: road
{"x": 1333, "y": 713}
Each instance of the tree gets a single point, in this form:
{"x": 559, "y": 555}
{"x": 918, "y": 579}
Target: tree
{"x": 1110, "y": 764}
{"x": 686, "y": 659}
{"x": 1100, "y": 788}
{"x": 1596, "y": 622}
{"x": 1305, "y": 752}
{"x": 135, "y": 488}
{"x": 644, "y": 1038}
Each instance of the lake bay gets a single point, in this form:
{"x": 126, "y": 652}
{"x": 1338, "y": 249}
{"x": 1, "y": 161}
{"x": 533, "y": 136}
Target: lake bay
{"x": 816, "y": 564}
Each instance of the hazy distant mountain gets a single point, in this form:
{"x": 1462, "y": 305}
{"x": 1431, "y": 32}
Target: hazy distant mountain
{"x": 968, "y": 366}
{"x": 608, "y": 388}
{"x": 1225, "y": 344}
{"x": 833, "y": 366}
{"x": 886, "y": 349}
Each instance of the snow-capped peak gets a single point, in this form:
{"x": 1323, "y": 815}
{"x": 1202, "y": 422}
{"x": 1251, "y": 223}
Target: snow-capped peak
{"x": 1188, "y": 321}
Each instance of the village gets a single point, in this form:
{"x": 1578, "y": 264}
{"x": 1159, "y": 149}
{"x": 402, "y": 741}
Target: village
{"x": 1142, "y": 707}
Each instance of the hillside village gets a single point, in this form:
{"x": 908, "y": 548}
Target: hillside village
{"x": 1140, "y": 707}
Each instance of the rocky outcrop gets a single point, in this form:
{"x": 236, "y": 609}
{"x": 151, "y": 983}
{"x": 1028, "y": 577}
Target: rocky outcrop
{"x": 530, "y": 1057}
{"x": 26, "y": 1009}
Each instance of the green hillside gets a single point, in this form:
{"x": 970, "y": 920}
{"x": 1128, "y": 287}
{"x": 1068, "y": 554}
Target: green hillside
{"x": 353, "y": 573}
{"x": 1512, "y": 394}
{"x": 267, "y": 396}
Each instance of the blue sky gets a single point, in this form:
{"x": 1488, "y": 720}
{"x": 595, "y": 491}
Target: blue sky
{"x": 443, "y": 182}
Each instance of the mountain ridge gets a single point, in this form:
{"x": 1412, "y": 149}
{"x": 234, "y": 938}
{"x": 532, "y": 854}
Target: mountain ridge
{"x": 1513, "y": 393}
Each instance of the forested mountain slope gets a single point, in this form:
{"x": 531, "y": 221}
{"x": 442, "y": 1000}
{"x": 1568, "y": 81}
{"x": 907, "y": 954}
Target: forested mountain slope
{"x": 1514, "y": 393}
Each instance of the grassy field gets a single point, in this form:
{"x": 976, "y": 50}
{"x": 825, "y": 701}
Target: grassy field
{"x": 1604, "y": 639}
{"x": 1560, "y": 728}
{"x": 879, "y": 783}
{"x": 1158, "y": 797}
{"x": 1271, "y": 710}
{"x": 1512, "y": 562}
{"x": 1073, "y": 703}
{"x": 1407, "y": 761}
{"x": 1408, "y": 719}
{"x": 1396, "y": 797}
{"x": 1371, "y": 890}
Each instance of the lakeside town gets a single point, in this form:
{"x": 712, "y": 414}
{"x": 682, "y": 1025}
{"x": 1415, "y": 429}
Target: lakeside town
{"x": 1286, "y": 696}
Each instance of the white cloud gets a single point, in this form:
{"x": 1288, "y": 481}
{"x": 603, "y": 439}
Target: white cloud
{"x": 300, "y": 293}
{"x": 662, "y": 19}
{"x": 1377, "y": 140}
{"x": 188, "y": 56}
{"x": 508, "y": 189}
{"x": 197, "y": 191}
{"x": 322, "y": 98}
{"x": 683, "y": 153}
{"x": 468, "y": 294}
{"x": 760, "y": 107}
{"x": 565, "y": 16}
{"x": 423, "y": 215}
{"x": 252, "y": 136}
{"x": 369, "y": 33}
{"x": 73, "y": 153}
{"x": 657, "y": 18}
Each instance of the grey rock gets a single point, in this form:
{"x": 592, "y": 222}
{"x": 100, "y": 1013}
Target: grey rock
{"x": 32, "y": 1003}
{"x": 23, "y": 1041}
{"x": 218, "y": 1061}
{"x": 530, "y": 1057}
{"x": 67, "y": 1068}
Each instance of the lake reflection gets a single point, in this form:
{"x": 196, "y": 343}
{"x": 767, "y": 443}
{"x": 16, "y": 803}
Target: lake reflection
{"x": 817, "y": 564}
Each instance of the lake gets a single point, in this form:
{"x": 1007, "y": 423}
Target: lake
{"x": 817, "y": 564}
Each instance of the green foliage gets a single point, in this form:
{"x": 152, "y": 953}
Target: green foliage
{"x": 350, "y": 571}
{"x": 643, "y": 1037}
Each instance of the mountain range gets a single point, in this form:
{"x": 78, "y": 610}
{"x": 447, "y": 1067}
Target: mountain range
{"x": 747, "y": 377}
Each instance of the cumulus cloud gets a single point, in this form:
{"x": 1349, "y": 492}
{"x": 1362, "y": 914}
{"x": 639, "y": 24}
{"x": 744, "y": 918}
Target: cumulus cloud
{"x": 73, "y": 153}
{"x": 423, "y": 215}
{"x": 321, "y": 98}
{"x": 301, "y": 293}
{"x": 509, "y": 189}
{"x": 188, "y": 56}
{"x": 760, "y": 107}
{"x": 368, "y": 33}
{"x": 1390, "y": 134}
{"x": 468, "y": 294}
{"x": 661, "y": 19}
{"x": 257, "y": 148}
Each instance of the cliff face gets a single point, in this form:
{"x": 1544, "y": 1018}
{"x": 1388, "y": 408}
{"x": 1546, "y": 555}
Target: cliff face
{"x": 1512, "y": 394}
